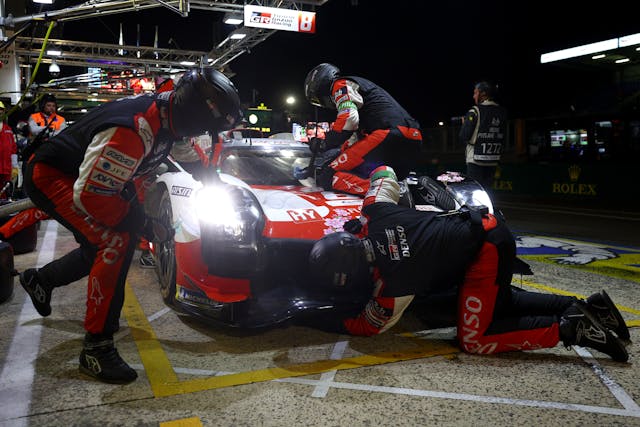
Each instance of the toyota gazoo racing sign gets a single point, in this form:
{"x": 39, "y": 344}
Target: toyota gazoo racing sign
{"x": 280, "y": 19}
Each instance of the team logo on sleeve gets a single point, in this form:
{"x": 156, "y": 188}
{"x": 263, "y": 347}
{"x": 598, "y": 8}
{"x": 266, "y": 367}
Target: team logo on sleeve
{"x": 119, "y": 157}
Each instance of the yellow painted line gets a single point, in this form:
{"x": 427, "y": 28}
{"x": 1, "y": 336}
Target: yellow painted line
{"x": 185, "y": 422}
{"x": 621, "y": 267}
{"x": 155, "y": 361}
{"x": 164, "y": 381}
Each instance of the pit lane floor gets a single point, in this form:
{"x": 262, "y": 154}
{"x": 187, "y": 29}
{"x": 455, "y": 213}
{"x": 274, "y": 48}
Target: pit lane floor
{"x": 191, "y": 374}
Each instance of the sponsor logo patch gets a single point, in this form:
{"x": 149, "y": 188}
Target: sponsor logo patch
{"x": 180, "y": 191}
{"x": 100, "y": 190}
{"x": 105, "y": 179}
{"x": 113, "y": 169}
{"x": 119, "y": 157}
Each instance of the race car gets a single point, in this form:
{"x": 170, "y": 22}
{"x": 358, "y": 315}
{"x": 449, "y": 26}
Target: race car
{"x": 243, "y": 232}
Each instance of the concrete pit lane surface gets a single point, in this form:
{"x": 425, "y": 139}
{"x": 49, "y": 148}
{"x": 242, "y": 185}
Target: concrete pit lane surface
{"x": 194, "y": 374}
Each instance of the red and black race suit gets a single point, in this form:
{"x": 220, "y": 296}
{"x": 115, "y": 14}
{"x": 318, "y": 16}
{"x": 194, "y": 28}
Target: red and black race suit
{"x": 384, "y": 131}
{"x": 79, "y": 178}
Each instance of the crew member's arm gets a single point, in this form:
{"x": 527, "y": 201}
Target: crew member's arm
{"x": 469, "y": 124}
{"x": 347, "y": 99}
{"x": 380, "y": 313}
{"x": 109, "y": 163}
{"x": 36, "y": 124}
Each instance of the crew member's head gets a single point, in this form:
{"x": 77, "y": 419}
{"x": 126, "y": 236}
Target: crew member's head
{"x": 204, "y": 101}
{"x": 317, "y": 85}
{"x": 483, "y": 91}
{"x": 48, "y": 104}
{"x": 340, "y": 261}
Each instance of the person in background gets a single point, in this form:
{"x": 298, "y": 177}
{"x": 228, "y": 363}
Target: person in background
{"x": 8, "y": 154}
{"x": 406, "y": 252}
{"x": 47, "y": 118}
{"x": 89, "y": 179}
{"x": 483, "y": 132}
{"x": 371, "y": 129}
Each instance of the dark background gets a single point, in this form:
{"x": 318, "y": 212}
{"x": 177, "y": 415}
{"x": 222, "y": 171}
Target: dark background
{"x": 427, "y": 54}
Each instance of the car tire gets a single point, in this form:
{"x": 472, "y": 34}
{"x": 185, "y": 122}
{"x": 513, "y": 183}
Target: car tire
{"x": 165, "y": 252}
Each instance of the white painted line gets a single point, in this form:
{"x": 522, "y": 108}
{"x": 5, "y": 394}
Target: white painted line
{"x": 326, "y": 378}
{"x": 629, "y": 411}
{"x": 18, "y": 372}
{"x": 618, "y": 392}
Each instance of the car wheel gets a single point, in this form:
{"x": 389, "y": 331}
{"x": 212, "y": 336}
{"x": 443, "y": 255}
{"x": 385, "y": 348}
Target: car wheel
{"x": 166, "y": 252}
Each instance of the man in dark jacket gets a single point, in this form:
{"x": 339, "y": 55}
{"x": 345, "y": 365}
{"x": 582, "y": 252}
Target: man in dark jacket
{"x": 483, "y": 132}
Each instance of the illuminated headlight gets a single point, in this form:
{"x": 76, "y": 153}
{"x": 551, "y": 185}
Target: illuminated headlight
{"x": 230, "y": 227}
{"x": 231, "y": 211}
{"x": 473, "y": 196}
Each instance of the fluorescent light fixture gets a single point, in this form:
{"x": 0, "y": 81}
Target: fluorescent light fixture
{"x": 622, "y": 61}
{"x": 187, "y": 63}
{"x": 52, "y": 52}
{"x": 602, "y": 55}
{"x": 43, "y": 1}
{"x": 233, "y": 18}
{"x": 630, "y": 40}
{"x": 573, "y": 52}
{"x": 237, "y": 36}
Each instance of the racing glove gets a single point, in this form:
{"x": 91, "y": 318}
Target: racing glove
{"x": 353, "y": 226}
{"x": 301, "y": 173}
{"x": 316, "y": 145}
{"x": 324, "y": 178}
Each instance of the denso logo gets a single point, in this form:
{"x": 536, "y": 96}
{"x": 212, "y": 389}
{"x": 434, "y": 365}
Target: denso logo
{"x": 180, "y": 191}
{"x": 119, "y": 157}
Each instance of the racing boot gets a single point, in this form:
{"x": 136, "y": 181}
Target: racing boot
{"x": 100, "y": 359}
{"x": 38, "y": 290}
{"x": 578, "y": 326}
{"x": 608, "y": 315}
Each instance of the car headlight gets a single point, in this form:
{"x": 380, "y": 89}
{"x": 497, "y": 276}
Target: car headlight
{"x": 231, "y": 222}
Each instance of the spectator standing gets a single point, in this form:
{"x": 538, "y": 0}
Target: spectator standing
{"x": 483, "y": 132}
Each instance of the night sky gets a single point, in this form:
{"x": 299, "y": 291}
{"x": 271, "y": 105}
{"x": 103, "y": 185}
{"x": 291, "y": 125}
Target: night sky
{"x": 427, "y": 54}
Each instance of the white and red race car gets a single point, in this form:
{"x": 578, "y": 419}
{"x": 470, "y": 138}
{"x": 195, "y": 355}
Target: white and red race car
{"x": 243, "y": 234}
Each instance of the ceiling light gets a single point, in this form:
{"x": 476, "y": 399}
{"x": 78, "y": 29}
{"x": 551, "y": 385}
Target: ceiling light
{"x": 621, "y": 61}
{"x": 43, "y": 1}
{"x": 187, "y": 63}
{"x": 237, "y": 35}
{"x": 602, "y": 55}
{"x": 233, "y": 18}
{"x": 52, "y": 52}
{"x": 54, "y": 69}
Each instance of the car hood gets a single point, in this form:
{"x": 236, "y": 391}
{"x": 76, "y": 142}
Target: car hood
{"x": 303, "y": 212}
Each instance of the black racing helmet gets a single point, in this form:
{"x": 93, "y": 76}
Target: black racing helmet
{"x": 203, "y": 101}
{"x": 339, "y": 261}
{"x": 317, "y": 85}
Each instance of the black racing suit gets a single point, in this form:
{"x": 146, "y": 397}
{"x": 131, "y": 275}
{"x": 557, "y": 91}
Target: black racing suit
{"x": 86, "y": 178}
{"x": 417, "y": 253}
{"x": 371, "y": 129}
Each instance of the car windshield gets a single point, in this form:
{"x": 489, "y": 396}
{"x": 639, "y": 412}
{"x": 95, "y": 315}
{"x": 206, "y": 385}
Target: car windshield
{"x": 264, "y": 165}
